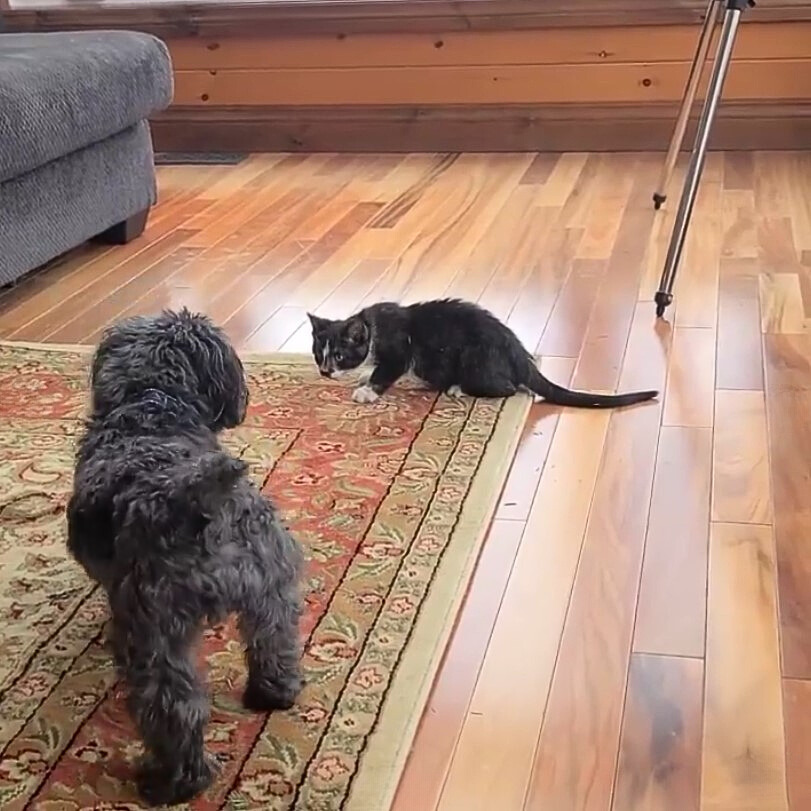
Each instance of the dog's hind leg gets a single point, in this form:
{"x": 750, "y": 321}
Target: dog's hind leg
{"x": 269, "y": 624}
{"x": 170, "y": 708}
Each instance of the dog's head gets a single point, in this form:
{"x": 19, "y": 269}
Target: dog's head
{"x": 179, "y": 353}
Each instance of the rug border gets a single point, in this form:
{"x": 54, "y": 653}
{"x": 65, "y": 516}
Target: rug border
{"x": 384, "y": 759}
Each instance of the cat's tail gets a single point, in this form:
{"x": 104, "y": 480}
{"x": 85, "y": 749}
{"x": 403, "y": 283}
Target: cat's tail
{"x": 558, "y": 395}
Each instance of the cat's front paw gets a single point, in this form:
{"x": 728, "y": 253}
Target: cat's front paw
{"x": 364, "y": 394}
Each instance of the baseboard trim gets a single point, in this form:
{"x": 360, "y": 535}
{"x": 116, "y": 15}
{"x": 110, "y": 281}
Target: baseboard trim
{"x": 496, "y": 128}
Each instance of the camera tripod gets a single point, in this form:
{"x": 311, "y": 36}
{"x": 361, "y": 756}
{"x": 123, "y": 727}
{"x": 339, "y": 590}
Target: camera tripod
{"x": 730, "y": 19}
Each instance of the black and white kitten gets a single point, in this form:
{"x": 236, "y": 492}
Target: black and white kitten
{"x": 452, "y": 346}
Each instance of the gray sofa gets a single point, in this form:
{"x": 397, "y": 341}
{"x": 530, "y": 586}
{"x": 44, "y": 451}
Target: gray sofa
{"x": 76, "y": 157}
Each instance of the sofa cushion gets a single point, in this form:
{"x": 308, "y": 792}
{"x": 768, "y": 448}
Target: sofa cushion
{"x": 61, "y": 92}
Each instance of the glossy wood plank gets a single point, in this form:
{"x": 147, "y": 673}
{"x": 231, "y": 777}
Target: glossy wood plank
{"x": 436, "y": 740}
{"x": 527, "y": 306}
{"x": 775, "y": 231}
{"x": 739, "y": 239}
{"x": 606, "y": 337}
{"x": 691, "y": 379}
{"x": 781, "y": 304}
{"x": 800, "y": 168}
{"x": 261, "y": 189}
{"x": 400, "y": 204}
{"x": 489, "y": 259}
{"x": 435, "y": 237}
{"x": 562, "y": 180}
{"x": 785, "y": 286}
{"x": 771, "y": 199}
{"x": 697, "y": 301}
{"x": 612, "y": 189}
{"x": 479, "y": 210}
{"x": 675, "y": 565}
{"x": 739, "y": 171}
{"x": 741, "y": 487}
{"x": 540, "y": 588}
{"x": 788, "y": 385}
{"x": 361, "y": 282}
{"x": 566, "y": 328}
{"x": 579, "y": 743}
{"x": 797, "y": 709}
{"x": 530, "y": 458}
{"x": 660, "y": 756}
{"x": 739, "y": 359}
{"x": 743, "y": 753}
{"x": 442, "y": 722}
{"x": 540, "y": 169}
{"x": 575, "y": 210}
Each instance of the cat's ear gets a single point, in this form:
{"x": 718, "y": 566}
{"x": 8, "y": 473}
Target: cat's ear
{"x": 357, "y": 331}
{"x": 317, "y": 323}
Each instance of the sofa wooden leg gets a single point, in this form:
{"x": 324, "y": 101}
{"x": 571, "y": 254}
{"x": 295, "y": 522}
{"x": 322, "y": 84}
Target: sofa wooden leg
{"x": 125, "y": 231}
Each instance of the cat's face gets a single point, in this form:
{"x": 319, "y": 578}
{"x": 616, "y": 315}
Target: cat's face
{"x": 339, "y": 346}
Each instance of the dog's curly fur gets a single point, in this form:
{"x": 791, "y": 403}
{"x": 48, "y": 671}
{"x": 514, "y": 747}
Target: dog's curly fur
{"x": 169, "y": 524}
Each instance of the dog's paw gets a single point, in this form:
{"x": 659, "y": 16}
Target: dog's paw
{"x": 159, "y": 784}
{"x": 455, "y": 392}
{"x": 260, "y": 697}
{"x": 364, "y": 394}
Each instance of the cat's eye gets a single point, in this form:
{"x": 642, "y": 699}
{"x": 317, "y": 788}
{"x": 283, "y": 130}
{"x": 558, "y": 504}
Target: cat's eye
{"x": 339, "y": 356}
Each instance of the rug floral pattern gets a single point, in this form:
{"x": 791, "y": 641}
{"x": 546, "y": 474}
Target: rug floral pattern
{"x": 373, "y": 493}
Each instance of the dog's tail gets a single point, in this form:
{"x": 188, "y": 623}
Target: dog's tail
{"x": 160, "y": 509}
{"x": 558, "y": 395}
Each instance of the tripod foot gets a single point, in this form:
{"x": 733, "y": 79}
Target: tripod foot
{"x": 658, "y": 200}
{"x": 663, "y": 300}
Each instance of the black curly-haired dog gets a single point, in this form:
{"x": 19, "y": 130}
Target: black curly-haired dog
{"x": 170, "y": 525}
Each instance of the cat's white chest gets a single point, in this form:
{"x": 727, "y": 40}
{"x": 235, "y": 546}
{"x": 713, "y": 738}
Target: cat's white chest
{"x": 365, "y": 369}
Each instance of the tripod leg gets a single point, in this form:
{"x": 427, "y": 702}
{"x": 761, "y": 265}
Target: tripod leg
{"x": 726, "y": 43}
{"x": 711, "y": 18}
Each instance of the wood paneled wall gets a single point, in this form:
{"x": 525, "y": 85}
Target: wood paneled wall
{"x": 453, "y": 75}
{"x": 580, "y": 66}
{"x": 557, "y": 88}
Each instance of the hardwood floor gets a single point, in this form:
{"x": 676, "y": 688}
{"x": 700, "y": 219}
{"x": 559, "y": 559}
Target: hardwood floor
{"x": 638, "y": 632}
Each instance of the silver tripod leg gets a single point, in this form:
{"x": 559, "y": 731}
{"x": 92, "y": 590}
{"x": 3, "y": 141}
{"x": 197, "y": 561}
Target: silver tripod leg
{"x": 711, "y": 17}
{"x": 726, "y": 43}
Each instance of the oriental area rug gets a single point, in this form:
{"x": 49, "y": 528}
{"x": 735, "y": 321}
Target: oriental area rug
{"x": 391, "y": 502}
